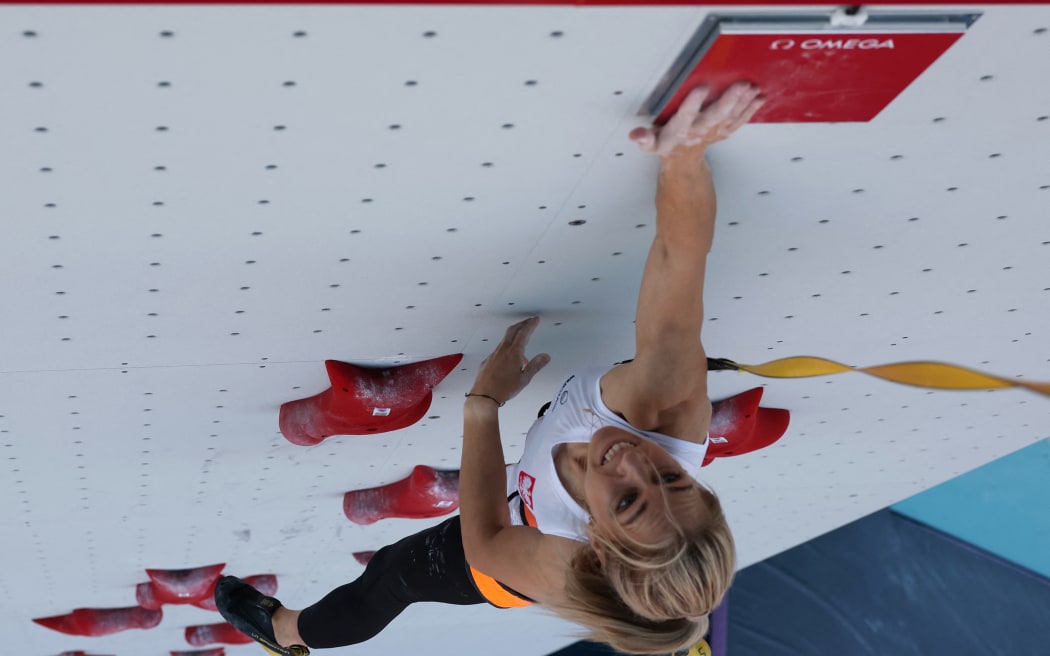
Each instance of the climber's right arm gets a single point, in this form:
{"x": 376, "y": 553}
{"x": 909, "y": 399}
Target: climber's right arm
{"x": 518, "y": 556}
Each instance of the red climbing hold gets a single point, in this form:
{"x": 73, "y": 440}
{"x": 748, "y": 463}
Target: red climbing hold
{"x": 264, "y": 583}
{"x": 76, "y": 653}
{"x": 146, "y": 596}
{"x": 208, "y": 603}
{"x": 207, "y": 634}
{"x": 365, "y": 400}
{"x": 739, "y": 425}
{"x": 363, "y": 557}
{"x": 427, "y": 492}
{"x": 102, "y": 621}
{"x": 216, "y": 651}
{"x": 184, "y": 586}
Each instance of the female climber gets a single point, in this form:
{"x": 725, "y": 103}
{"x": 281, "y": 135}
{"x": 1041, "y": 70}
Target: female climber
{"x": 608, "y": 528}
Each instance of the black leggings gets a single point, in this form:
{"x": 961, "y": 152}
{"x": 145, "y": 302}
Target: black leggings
{"x": 427, "y": 566}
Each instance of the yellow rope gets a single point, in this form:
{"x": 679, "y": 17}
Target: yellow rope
{"x": 700, "y": 649}
{"x": 937, "y": 375}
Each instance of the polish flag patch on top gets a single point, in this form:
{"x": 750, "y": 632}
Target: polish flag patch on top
{"x": 526, "y": 484}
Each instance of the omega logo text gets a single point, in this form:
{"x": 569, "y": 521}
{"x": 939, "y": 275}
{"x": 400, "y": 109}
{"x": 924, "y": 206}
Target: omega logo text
{"x": 832, "y": 44}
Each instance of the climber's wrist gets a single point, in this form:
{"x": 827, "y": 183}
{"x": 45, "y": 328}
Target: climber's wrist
{"x": 479, "y": 406}
{"x": 489, "y": 397}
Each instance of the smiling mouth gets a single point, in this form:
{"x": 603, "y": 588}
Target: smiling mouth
{"x": 612, "y": 450}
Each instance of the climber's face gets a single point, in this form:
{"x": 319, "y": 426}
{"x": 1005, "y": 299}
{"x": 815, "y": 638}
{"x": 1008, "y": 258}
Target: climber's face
{"x": 634, "y": 486}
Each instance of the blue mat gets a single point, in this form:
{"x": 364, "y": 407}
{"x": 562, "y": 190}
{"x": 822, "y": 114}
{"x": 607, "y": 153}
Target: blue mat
{"x": 1003, "y": 507}
{"x": 888, "y": 585}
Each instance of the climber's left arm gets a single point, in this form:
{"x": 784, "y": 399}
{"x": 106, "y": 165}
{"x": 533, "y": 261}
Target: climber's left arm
{"x": 668, "y": 375}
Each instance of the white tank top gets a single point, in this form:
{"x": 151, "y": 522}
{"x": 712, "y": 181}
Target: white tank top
{"x": 575, "y": 413}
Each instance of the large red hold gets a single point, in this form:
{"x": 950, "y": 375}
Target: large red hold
{"x": 364, "y": 400}
{"x": 102, "y": 621}
{"x": 426, "y": 492}
{"x": 739, "y": 425}
{"x": 203, "y": 635}
{"x": 860, "y": 70}
{"x": 217, "y": 651}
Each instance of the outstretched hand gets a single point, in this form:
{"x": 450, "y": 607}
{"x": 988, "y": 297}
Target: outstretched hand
{"x": 508, "y": 371}
{"x": 693, "y": 129}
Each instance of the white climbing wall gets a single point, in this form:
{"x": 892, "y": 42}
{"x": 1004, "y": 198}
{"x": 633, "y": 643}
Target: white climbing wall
{"x": 200, "y": 204}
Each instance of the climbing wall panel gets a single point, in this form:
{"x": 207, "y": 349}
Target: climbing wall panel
{"x": 204, "y": 203}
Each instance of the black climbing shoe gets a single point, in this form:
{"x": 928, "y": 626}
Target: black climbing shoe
{"x": 251, "y": 613}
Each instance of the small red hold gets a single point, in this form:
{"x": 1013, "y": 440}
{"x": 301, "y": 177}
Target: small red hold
{"x": 203, "y": 635}
{"x": 77, "y": 653}
{"x": 739, "y": 425}
{"x": 364, "y": 400}
{"x": 427, "y": 492}
{"x": 217, "y": 651}
{"x": 102, "y": 621}
{"x": 264, "y": 583}
{"x": 60, "y": 623}
{"x": 364, "y": 557}
{"x": 146, "y": 596}
{"x": 183, "y": 586}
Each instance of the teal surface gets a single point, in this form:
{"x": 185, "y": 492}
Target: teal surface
{"x": 1002, "y": 507}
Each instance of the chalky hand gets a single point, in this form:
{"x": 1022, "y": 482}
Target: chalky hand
{"x": 694, "y": 129}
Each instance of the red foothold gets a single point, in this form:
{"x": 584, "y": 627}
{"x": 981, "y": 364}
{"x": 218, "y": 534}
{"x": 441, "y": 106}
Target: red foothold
{"x": 264, "y": 583}
{"x": 207, "y": 634}
{"x": 146, "y": 596}
{"x": 363, "y": 557}
{"x": 184, "y": 586}
{"x": 364, "y": 400}
{"x": 60, "y": 623}
{"x": 739, "y": 425}
{"x": 102, "y": 621}
{"x": 427, "y": 492}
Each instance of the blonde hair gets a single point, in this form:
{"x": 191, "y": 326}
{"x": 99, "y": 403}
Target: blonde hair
{"x": 651, "y": 598}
